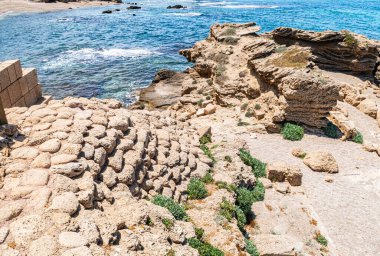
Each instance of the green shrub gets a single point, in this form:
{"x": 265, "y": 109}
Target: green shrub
{"x": 199, "y": 233}
{"x": 177, "y": 210}
{"x": 228, "y": 187}
{"x": 204, "y": 249}
{"x": 196, "y": 189}
{"x": 258, "y": 167}
{"x": 229, "y": 32}
{"x": 149, "y": 222}
{"x": 208, "y": 153}
{"x": 251, "y": 248}
{"x": 194, "y": 82}
{"x": 207, "y": 178}
{"x": 244, "y": 200}
{"x": 257, "y": 106}
{"x": 227, "y": 209}
{"x": 242, "y": 123}
{"x": 244, "y": 106}
{"x": 292, "y": 132}
{"x": 321, "y": 239}
{"x": 228, "y": 159}
{"x": 240, "y": 217}
{"x": 199, "y": 103}
{"x": 168, "y": 223}
{"x": 205, "y": 139}
{"x": 245, "y": 197}
{"x": 219, "y": 70}
{"x": 258, "y": 191}
{"x": 331, "y": 130}
{"x": 350, "y": 39}
{"x": 209, "y": 82}
{"x": 358, "y": 138}
{"x": 249, "y": 114}
{"x": 171, "y": 252}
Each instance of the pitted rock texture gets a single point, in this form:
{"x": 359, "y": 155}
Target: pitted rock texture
{"x": 81, "y": 182}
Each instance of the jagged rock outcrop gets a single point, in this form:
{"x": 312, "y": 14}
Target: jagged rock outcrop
{"x": 284, "y": 75}
{"x": 332, "y": 50}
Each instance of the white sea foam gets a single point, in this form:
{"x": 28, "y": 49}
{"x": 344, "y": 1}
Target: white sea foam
{"x": 213, "y": 4}
{"x": 65, "y": 19}
{"x": 185, "y": 14}
{"x": 248, "y": 6}
{"x": 91, "y": 55}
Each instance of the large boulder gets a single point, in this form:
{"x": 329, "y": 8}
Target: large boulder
{"x": 321, "y": 162}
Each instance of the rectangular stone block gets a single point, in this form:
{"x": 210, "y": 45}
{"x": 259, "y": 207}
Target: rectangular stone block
{"x": 31, "y": 77}
{"x": 30, "y": 98}
{"x": 20, "y": 103}
{"x": 14, "y": 69}
{"x": 4, "y": 76}
{"x": 38, "y": 91}
{"x": 14, "y": 91}
{"x": 5, "y": 99}
{"x": 23, "y": 85}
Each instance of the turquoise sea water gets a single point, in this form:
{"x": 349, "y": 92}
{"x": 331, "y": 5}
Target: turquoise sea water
{"x": 85, "y": 53}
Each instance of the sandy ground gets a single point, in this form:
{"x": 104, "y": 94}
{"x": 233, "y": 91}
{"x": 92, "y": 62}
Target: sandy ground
{"x": 8, "y": 7}
{"x": 348, "y": 209}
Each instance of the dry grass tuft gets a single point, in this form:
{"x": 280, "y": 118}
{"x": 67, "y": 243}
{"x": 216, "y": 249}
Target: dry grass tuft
{"x": 292, "y": 58}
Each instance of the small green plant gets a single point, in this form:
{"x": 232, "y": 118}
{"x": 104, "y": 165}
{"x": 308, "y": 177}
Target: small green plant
{"x": 292, "y": 132}
{"x": 219, "y": 70}
{"x": 358, "y": 138}
{"x": 228, "y": 187}
{"x": 171, "y": 252}
{"x": 207, "y": 178}
{"x": 228, "y": 159}
{"x": 258, "y": 191}
{"x": 194, "y": 82}
{"x": 168, "y": 223}
{"x": 258, "y": 167}
{"x": 199, "y": 233}
{"x": 204, "y": 249}
{"x": 244, "y": 200}
{"x": 242, "y": 123}
{"x": 331, "y": 130}
{"x": 208, "y": 97}
{"x": 321, "y": 239}
{"x": 205, "y": 139}
{"x": 240, "y": 217}
{"x": 303, "y": 155}
{"x": 257, "y": 106}
{"x": 231, "y": 40}
{"x": 227, "y": 209}
{"x": 196, "y": 189}
{"x": 177, "y": 210}
{"x": 149, "y": 222}
{"x": 209, "y": 82}
{"x": 251, "y": 248}
{"x": 200, "y": 102}
{"x": 244, "y": 106}
{"x": 208, "y": 153}
{"x": 350, "y": 39}
{"x": 229, "y": 32}
{"x": 249, "y": 114}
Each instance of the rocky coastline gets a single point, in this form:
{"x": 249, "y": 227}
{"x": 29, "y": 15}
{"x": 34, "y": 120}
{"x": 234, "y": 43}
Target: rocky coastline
{"x": 230, "y": 157}
{"x": 12, "y": 7}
